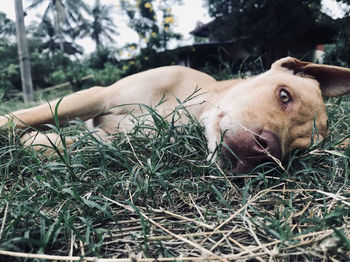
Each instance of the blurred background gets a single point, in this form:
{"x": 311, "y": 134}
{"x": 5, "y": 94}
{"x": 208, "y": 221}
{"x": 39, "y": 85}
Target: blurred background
{"x": 75, "y": 44}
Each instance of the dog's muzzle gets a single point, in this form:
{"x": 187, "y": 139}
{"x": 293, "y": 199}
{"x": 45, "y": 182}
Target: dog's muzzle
{"x": 247, "y": 149}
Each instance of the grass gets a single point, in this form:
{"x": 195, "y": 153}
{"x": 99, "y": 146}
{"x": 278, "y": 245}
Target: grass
{"x": 153, "y": 196}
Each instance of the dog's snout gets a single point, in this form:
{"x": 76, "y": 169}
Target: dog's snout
{"x": 247, "y": 149}
{"x": 267, "y": 143}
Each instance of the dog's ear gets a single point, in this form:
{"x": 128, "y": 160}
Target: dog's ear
{"x": 334, "y": 80}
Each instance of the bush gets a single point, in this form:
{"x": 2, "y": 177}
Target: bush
{"x": 108, "y": 75}
{"x": 100, "y": 57}
{"x": 338, "y": 53}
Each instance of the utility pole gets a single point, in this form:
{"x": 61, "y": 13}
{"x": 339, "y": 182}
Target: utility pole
{"x": 23, "y": 54}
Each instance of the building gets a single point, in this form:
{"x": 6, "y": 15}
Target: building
{"x": 208, "y": 51}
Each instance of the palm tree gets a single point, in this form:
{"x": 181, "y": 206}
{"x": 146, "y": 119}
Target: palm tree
{"x": 64, "y": 13}
{"x": 49, "y": 40}
{"x": 7, "y": 26}
{"x": 101, "y": 27}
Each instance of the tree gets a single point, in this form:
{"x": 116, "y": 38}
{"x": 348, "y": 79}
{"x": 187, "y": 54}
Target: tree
{"x": 272, "y": 28}
{"x": 23, "y": 54}
{"x": 10, "y": 78}
{"x": 50, "y": 42}
{"x": 154, "y": 24}
{"x": 338, "y": 53}
{"x": 155, "y": 29}
{"x": 101, "y": 27}
{"x": 63, "y": 13}
{"x": 7, "y": 26}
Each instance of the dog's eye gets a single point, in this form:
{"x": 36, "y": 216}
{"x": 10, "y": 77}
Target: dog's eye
{"x": 285, "y": 96}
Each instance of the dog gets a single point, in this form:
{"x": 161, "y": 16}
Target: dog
{"x": 258, "y": 119}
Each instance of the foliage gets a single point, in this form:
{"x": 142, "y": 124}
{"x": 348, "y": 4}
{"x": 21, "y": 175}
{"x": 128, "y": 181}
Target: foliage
{"x": 9, "y": 70}
{"x": 338, "y": 52}
{"x": 101, "y": 27}
{"x": 9, "y": 75}
{"x": 47, "y": 70}
{"x": 346, "y": 2}
{"x": 52, "y": 69}
{"x": 155, "y": 29}
{"x": 52, "y": 47}
{"x": 100, "y": 56}
{"x": 65, "y": 20}
{"x": 154, "y": 24}
{"x": 272, "y": 28}
{"x": 108, "y": 75}
{"x": 7, "y": 26}
{"x": 45, "y": 34}
{"x": 148, "y": 59}
{"x": 59, "y": 16}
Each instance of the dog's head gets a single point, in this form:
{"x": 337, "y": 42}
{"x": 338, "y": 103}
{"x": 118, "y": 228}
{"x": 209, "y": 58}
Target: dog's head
{"x": 267, "y": 116}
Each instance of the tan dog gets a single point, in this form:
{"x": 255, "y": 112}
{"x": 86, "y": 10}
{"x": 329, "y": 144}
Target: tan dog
{"x": 259, "y": 118}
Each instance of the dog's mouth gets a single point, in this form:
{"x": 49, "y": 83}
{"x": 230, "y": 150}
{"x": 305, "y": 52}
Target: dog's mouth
{"x": 244, "y": 151}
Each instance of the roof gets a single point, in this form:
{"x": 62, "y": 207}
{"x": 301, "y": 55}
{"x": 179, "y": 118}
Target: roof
{"x": 202, "y": 29}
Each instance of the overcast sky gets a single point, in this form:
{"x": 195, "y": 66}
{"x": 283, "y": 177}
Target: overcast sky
{"x": 186, "y": 17}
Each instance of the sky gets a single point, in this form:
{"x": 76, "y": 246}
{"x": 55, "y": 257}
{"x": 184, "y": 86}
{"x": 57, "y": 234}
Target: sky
{"x": 186, "y": 17}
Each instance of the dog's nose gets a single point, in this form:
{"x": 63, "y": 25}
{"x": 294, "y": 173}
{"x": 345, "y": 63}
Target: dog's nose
{"x": 247, "y": 149}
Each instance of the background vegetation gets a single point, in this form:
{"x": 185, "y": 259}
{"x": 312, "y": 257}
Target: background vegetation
{"x": 57, "y": 58}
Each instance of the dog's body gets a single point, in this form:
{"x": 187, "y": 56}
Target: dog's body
{"x": 258, "y": 118}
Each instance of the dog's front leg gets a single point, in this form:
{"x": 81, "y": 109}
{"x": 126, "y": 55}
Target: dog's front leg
{"x": 83, "y": 104}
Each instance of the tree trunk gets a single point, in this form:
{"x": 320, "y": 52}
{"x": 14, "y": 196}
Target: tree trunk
{"x": 26, "y": 77}
{"x": 59, "y": 24}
